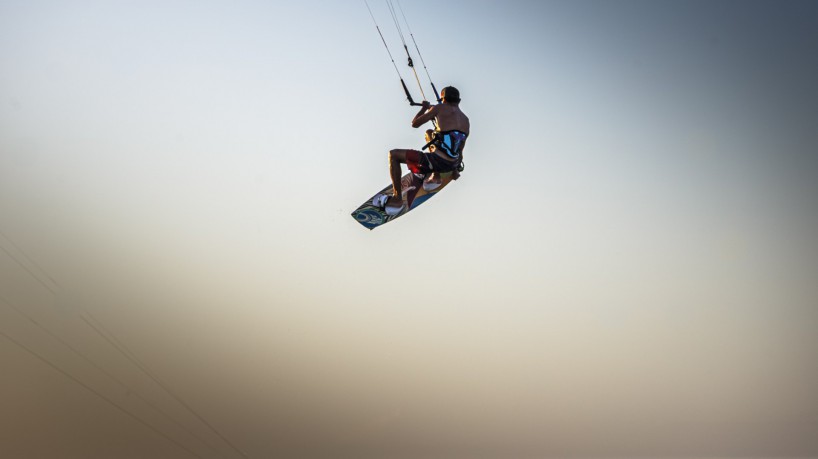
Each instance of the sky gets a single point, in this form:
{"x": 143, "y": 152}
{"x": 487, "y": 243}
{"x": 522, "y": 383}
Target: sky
{"x": 627, "y": 267}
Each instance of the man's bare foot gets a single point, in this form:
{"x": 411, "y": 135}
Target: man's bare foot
{"x": 394, "y": 206}
{"x": 432, "y": 182}
{"x": 394, "y": 201}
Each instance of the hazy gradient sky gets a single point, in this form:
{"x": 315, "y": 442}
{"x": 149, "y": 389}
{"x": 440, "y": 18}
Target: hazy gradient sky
{"x": 628, "y": 266}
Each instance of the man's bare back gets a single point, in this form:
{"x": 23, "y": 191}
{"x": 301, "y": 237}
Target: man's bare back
{"x": 452, "y": 131}
{"x": 447, "y": 116}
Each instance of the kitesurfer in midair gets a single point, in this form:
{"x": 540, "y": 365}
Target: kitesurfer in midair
{"x": 445, "y": 145}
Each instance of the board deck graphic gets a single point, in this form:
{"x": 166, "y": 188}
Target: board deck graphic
{"x": 372, "y": 216}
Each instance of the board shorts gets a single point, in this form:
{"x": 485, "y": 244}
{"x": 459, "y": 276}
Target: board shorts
{"x": 424, "y": 163}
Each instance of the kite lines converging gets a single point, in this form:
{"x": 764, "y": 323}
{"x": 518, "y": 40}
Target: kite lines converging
{"x": 410, "y": 62}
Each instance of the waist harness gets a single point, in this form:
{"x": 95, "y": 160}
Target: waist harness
{"x": 451, "y": 143}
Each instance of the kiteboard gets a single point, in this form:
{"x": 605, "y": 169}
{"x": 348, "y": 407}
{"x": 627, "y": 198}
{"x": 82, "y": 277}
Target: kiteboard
{"x": 371, "y": 215}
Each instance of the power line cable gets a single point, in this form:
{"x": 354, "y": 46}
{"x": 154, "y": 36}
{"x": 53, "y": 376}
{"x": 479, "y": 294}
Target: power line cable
{"x": 106, "y": 373}
{"x": 99, "y": 394}
{"x": 113, "y": 341}
{"x": 16, "y": 247}
{"x": 82, "y": 312}
{"x": 23, "y": 265}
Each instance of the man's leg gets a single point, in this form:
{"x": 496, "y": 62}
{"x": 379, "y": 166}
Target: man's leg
{"x": 396, "y": 157}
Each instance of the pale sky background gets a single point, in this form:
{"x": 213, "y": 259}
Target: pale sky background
{"x": 628, "y": 267}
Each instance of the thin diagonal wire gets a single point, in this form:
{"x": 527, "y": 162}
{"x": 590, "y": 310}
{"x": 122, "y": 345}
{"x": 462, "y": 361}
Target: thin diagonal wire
{"x": 16, "y": 247}
{"x": 106, "y": 373}
{"x": 113, "y": 341}
{"x": 133, "y": 360}
{"x": 406, "y": 48}
{"x": 23, "y": 265}
{"x": 100, "y": 395}
{"x": 416, "y": 47}
{"x": 395, "y": 19}
{"x": 383, "y": 40}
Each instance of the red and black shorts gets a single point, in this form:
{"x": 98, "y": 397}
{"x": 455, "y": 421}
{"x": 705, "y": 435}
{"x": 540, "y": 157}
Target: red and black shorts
{"x": 424, "y": 163}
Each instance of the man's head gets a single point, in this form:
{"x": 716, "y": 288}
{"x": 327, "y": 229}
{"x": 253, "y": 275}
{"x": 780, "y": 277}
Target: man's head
{"x": 450, "y": 94}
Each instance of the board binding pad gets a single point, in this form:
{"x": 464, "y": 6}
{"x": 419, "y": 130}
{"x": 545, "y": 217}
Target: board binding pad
{"x": 371, "y": 216}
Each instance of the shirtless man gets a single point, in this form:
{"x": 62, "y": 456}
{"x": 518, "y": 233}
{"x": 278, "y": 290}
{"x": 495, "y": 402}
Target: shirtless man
{"x": 445, "y": 152}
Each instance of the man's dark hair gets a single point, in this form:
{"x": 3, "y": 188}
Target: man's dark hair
{"x": 451, "y": 94}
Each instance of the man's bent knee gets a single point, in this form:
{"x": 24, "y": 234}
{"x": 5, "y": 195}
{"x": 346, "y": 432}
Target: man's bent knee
{"x": 397, "y": 155}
